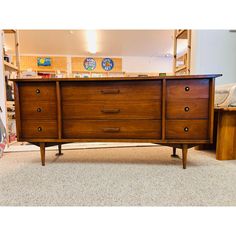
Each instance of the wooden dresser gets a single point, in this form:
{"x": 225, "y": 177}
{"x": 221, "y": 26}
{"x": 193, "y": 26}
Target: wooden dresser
{"x": 174, "y": 111}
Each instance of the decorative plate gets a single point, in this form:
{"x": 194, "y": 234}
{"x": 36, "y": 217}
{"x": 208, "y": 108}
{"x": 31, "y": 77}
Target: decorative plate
{"x": 89, "y": 64}
{"x": 107, "y": 64}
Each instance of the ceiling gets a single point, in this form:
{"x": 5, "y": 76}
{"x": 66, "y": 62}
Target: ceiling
{"x": 152, "y": 43}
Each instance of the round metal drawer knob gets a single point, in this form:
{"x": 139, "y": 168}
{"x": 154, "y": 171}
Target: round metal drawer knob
{"x": 186, "y": 109}
{"x": 37, "y": 91}
{"x": 39, "y": 109}
{"x": 186, "y": 129}
{"x": 40, "y": 129}
{"x": 187, "y": 88}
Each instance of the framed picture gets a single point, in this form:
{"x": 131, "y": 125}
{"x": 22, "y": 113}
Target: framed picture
{"x": 44, "y": 61}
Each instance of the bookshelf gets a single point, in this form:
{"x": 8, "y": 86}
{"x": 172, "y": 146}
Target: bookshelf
{"x": 181, "y": 63}
{"x": 11, "y": 69}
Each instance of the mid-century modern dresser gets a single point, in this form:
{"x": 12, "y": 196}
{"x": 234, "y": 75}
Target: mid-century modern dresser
{"x": 173, "y": 110}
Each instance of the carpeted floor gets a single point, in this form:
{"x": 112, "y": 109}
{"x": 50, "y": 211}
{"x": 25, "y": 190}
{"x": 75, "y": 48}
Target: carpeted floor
{"x": 137, "y": 176}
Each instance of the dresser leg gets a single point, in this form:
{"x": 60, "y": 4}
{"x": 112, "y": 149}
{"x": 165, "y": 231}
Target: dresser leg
{"x": 184, "y": 155}
{"x": 174, "y": 153}
{"x": 42, "y": 152}
{"x": 59, "y": 150}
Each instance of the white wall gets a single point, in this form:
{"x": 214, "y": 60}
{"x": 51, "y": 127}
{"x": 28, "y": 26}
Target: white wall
{"x": 2, "y": 84}
{"x": 214, "y": 51}
{"x": 147, "y": 64}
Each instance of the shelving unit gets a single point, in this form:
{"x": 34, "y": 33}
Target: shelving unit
{"x": 97, "y": 74}
{"x": 73, "y": 67}
{"x": 182, "y": 62}
{"x": 10, "y": 105}
{"x": 10, "y": 67}
{"x": 59, "y": 63}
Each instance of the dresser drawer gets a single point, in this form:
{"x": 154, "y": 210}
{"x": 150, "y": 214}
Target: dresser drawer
{"x": 39, "y": 91}
{"x": 111, "y": 110}
{"x": 187, "y": 109}
{"x": 38, "y": 110}
{"x": 39, "y": 129}
{"x": 187, "y": 129}
{"x": 126, "y": 129}
{"x": 183, "y": 88}
{"x": 112, "y": 90}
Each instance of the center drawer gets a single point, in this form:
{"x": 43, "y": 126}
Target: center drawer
{"x": 111, "y": 110}
{"x": 111, "y": 90}
{"x": 103, "y": 129}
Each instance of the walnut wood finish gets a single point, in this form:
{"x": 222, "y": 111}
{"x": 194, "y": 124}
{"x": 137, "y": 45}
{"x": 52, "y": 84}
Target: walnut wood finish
{"x": 163, "y": 117}
{"x": 174, "y": 153}
{"x": 39, "y": 129}
{"x": 37, "y": 91}
{"x": 184, "y": 155}
{"x": 111, "y": 91}
{"x": 59, "y": 116}
{"x": 187, "y": 109}
{"x": 39, "y": 110}
{"x": 187, "y": 129}
{"x": 185, "y": 89}
{"x": 226, "y": 134}
{"x": 42, "y": 152}
{"x": 17, "y": 111}
{"x": 151, "y": 109}
{"x": 112, "y": 129}
{"x": 211, "y": 109}
{"x": 148, "y": 109}
{"x": 59, "y": 150}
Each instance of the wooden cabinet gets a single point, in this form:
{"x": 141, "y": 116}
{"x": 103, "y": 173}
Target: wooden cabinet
{"x": 174, "y": 111}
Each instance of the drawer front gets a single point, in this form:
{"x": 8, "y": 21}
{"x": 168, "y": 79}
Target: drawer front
{"x": 187, "y": 89}
{"x": 105, "y": 129}
{"x": 187, "y": 129}
{"x": 37, "y": 91}
{"x": 111, "y": 110}
{"x": 38, "y": 110}
{"x": 39, "y": 129}
{"x": 112, "y": 90}
{"x": 187, "y": 109}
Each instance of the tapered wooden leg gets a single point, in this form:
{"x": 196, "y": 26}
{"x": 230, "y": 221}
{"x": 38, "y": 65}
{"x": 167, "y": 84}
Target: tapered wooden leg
{"x": 59, "y": 150}
{"x": 42, "y": 152}
{"x": 174, "y": 153}
{"x": 184, "y": 155}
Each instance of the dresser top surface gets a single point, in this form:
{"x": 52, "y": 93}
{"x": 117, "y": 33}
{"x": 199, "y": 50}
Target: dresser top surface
{"x": 207, "y": 76}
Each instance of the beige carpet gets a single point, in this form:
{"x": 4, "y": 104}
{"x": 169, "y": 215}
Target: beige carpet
{"x": 27, "y": 147}
{"x": 137, "y": 176}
